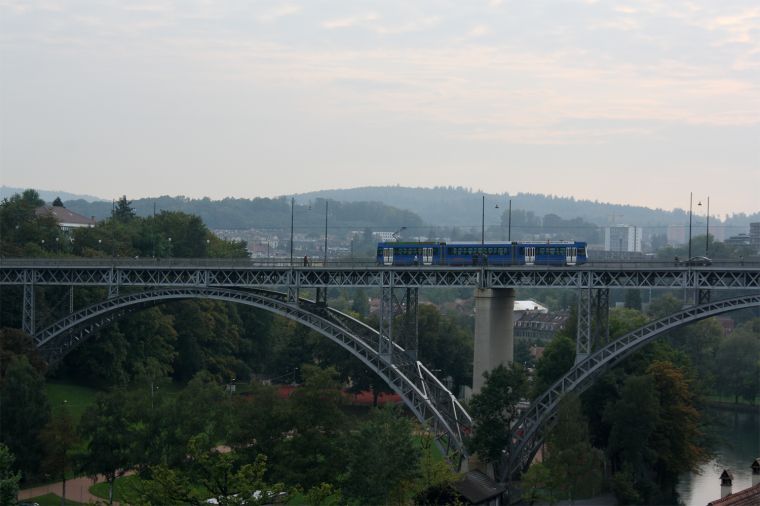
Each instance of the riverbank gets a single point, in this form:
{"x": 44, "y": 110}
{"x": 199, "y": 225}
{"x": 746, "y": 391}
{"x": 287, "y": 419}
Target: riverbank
{"x": 735, "y": 407}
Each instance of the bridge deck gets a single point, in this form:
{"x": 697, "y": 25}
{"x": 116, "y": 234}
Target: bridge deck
{"x": 246, "y": 274}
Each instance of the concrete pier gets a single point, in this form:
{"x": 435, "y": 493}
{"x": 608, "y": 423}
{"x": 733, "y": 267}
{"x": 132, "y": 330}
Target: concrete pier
{"x": 494, "y": 331}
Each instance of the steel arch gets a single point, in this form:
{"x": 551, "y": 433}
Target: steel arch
{"x": 429, "y": 400}
{"x": 530, "y": 430}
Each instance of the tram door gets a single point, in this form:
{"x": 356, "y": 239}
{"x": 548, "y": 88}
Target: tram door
{"x": 530, "y": 255}
{"x": 427, "y": 256}
{"x": 571, "y": 255}
{"x": 387, "y": 256}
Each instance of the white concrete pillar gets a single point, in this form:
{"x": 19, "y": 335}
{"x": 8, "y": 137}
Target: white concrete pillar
{"x": 494, "y": 332}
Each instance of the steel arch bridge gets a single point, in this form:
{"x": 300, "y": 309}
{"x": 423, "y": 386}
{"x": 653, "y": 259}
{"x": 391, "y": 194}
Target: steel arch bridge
{"x": 530, "y": 430}
{"x": 430, "y": 401}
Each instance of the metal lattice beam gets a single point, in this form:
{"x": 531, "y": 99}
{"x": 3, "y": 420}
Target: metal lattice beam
{"x": 28, "y": 318}
{"x": 246, "y": 274}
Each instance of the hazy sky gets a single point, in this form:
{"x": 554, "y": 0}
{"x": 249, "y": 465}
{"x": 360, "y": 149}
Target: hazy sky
{"x": 634, "y": 102}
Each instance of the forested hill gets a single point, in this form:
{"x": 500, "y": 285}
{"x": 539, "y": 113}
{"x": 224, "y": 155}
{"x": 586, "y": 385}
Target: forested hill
{"x": 462, "y": 206}
{"x": 386, "y": 207}
{"x": 264, "y": 213}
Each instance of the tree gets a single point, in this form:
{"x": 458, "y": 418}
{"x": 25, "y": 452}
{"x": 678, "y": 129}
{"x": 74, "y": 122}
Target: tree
{"x": 494, "y": 410}
{"x": 633, "y": 419}
{"x": 738, "y": 370}
{"x": 208, "y": 472}
{"x": 15, "y": 342}
{"x": 557, "y": 359}
{"x": 317, "y": 426}
{"x": 573, "y": 464}
{"x": 678, "y": 434}
{"x": 537, "y": 484}
{"x": 123, "y": 211}
{"x": 105, "y": 427}
{"x": 58, "y": 202}
{"x": 58, "y": 438}
{"x": 24, "y": 411}
{"x": 382, "y": 458}
{"x": 8, "y": 478}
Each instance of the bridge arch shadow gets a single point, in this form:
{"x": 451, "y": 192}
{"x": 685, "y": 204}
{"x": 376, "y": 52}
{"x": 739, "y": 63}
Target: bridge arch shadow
{"x": 433, "y": 405}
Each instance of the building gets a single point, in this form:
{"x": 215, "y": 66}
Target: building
{"x": 540, "y": 326}
{"x": 384, "y": 236}
{"x": 67, "y": 220}
{"x": 739, "y": 240}
{"x": 754, "y": 236}
{"x": 623, "y": 238}
{"x": 747, "y": 497}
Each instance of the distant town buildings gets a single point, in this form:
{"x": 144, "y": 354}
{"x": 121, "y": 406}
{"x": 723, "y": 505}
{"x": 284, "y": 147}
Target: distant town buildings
{"x": 623, "y": 238}
{"x": 754, "y": 236}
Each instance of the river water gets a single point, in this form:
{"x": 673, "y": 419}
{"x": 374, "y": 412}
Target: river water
{"x": 739, "y": 446}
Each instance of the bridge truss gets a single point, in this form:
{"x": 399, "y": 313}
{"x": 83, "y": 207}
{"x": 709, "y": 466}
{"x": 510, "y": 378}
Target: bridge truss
{"x": 434, "y": 405}
{"x": 529, "y": 431}
{"x": 391, "y": 352}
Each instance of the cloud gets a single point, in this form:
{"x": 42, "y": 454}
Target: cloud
{"x": 479, "y": 31}
{"x": 279, "y": 12}
{"x": 350, "y": 22}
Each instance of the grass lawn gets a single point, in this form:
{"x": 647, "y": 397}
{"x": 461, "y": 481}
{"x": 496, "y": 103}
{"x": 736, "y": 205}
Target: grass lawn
{"x": 119, "y": 486}
{"x": 51, "y": 500}
{"x": 77, "y": 397}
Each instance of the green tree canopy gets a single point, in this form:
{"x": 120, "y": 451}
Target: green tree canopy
{"x": 494, "y": 410}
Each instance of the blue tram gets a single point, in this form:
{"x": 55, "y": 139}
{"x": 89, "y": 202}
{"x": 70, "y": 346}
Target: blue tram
{"x": 490, "y": 253}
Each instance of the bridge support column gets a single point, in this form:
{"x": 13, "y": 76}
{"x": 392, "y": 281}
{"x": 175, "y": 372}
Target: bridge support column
{"x": 583, "y": 333}
{"x": 27, "y": 317}
{"x": 494, "y": 331}
{"x": 602, "y": 322}
{"x": 385, "y": 343}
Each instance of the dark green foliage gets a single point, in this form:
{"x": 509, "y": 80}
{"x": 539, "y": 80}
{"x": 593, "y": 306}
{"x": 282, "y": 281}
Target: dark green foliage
{"x": 123, "y": 211}
{"x": 494, "y": 409}
{"x": 633, "y": 420}
{"x": 381, "y": 458}
{"x": 574, "y": 465}
{"x": 444, "y": 346}
{"x": 24, "y": 411}
{"x": 557, "y": 359}
{"x": 308, "y": 456}
{"x": 537, "y": 484}
{"x": 207, "y": 473}
{"x": 14, "y": 342}
{"x": 108, "y": 434}
{"x": 9, "y": 478}
{"x": 737, "y": 363}
{"x": 22, "y": 231}
{"x": 59, "y": 438}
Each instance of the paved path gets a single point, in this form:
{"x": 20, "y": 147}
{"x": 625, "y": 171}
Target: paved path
{"x": 77, "y": 489}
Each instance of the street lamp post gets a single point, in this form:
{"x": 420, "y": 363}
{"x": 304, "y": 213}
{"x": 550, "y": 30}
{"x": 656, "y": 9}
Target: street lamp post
{"x": 326, "y": 205}
{"x": 483, "y": 221}
{"x": 509, "y": 222}
{"x": 690, "y": 209}
{"x": 707, "y": 233}
{"x": 292, "y": 204}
